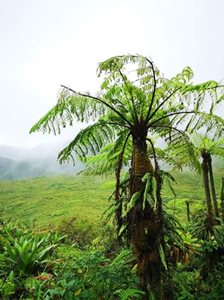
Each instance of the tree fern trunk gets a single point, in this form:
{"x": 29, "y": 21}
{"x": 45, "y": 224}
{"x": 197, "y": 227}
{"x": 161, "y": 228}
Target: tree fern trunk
{"x": 188, "y": 211}
{"x": 205, "y": 170}
{"x": 145, "y": 225}
{"x": 212, "y": 185}
{"x": 222, "y": 198}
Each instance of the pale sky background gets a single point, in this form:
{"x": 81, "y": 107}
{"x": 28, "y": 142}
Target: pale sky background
{"x": 45, "y": 43}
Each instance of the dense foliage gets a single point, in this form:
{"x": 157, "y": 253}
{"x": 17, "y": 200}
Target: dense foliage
{"x": 46, "y": 266}
{"x": 61, "y": 269}
{"x": 135, "y": 106}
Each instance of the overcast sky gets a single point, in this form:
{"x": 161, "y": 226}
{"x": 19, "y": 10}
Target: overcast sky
{"x": 45, "y": 43}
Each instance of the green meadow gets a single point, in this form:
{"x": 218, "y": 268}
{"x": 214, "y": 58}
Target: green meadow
{"x": 78, "y": 256}
{"x": 45, "y": 202}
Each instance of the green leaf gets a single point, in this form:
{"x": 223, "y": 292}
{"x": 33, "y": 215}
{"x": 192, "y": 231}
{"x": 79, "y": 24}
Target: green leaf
{"x": 162, "y": 256}
{"x": 122, "y": 229}
{"x": 129, "y": 293}
{"x": 133, "y": 200}
{"x": 131, "y": 203}
{"x": 145, "y": 196}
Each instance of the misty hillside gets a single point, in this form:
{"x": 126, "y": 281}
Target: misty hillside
{"x": 18, "y": 163}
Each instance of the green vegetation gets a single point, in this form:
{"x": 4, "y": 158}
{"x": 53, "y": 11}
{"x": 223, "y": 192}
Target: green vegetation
{"x": 38, "y": 201}
{"x": 34, "y": 266}
{"x": 83, "y": 264}
{"x": 48, "y": 201}
{"x": 153, "y": 240}
{"x": 135, "y": 105}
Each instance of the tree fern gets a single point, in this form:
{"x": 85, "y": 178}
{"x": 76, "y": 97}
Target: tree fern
{"x": 135, "y": 103}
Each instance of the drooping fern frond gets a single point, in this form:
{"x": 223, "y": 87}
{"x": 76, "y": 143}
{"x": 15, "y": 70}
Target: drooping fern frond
{"x": 124, "y": 257}
{"x": 172, "y": 227}
{"x": 106, "y": 160}
{"x": 70, "y": 108}
{"x": 211, "y": 123}
{"x": 168, "y": 180}
{"x": 169, "y": 160}
{"x": 182, "y": 105}
{"x": 99, "y": 164}
{"x": 180, "y": 151}
{"x": 89, "y": 141}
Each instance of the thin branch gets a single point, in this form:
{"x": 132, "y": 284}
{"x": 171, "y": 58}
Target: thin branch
{"x": 213, "y": 88}
{"x": 162, "y": 103}
{"x": 169, "y": 115}
{"x": 140, "y": 78}
{"x": 132, "y": 100}
{"x": 101, "y": 101}
{"x": 172, "y": 128}
{"x": 154, "y": 90}
{"x": 117, "y": 124}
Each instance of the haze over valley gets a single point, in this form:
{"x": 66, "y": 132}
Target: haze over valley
{"x": 19, "y": 163}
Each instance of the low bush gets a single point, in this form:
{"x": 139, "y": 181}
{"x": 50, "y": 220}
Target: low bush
{"x": 30, "y": 267}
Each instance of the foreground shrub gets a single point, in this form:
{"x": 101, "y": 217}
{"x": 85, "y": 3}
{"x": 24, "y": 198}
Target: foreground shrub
{"x": 93, "y": 276}
{"x": 83, "y": 234}
{"x": 79, "y": 232}
{"x": 30, "y": 268}
{"x": 23, "y": 253}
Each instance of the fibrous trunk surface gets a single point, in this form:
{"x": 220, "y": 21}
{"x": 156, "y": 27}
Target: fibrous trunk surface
{"x": 145, "y": 226}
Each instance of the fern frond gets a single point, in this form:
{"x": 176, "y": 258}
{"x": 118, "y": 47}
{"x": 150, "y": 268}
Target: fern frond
{"x": 70, "y": 108}
{"x": 106, "y": 161}
{"x": 89, "y": 141}
{"x": 180, "y": 151}
{"x": 129, "y": 294}
{"x": 124, "y": 257}
{"x": 171, "y": 231}
{"x": 211, "y": 123}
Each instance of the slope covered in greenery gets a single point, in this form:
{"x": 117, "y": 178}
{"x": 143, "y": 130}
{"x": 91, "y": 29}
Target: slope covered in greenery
{"x": 47, "y": 201}
{"x": 87, "y": 263}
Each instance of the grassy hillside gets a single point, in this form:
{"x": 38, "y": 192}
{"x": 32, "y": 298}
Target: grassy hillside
{"x": 47, "y": 201}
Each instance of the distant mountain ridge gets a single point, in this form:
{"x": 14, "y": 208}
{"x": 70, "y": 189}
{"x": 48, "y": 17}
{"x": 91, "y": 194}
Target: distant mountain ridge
{"x": 19, "y": 163}
{"x": 15, "y": 153}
